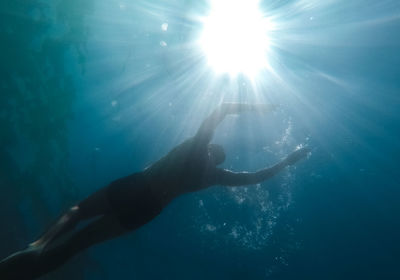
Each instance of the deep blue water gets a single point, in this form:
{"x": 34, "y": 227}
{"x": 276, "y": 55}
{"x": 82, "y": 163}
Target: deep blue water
{"x": 95, "y": 90}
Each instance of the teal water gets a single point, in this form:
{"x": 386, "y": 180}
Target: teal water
{"x": 95, "y": 90}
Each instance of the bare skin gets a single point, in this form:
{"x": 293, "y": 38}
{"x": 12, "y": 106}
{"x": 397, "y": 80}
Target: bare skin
{"x": 189, "y": 167}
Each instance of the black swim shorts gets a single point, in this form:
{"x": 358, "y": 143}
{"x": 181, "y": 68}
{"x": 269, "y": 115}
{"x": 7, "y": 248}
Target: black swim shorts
{"x": 132, "y": 201}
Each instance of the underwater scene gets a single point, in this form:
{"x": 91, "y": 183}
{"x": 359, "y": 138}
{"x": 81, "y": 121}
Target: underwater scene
{"x": 208, "y": 139}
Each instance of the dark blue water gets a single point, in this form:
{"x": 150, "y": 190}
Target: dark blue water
{"x": 95, "y": 90}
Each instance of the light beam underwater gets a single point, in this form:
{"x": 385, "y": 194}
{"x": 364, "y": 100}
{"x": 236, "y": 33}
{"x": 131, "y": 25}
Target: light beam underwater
{"x": 235, "y": 37}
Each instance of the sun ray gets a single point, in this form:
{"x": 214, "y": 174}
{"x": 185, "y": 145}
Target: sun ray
{"x": 235, "y": 37}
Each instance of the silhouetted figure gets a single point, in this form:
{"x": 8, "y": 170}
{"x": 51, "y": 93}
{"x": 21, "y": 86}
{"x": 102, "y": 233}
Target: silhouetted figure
{"x": 130, "y": 202}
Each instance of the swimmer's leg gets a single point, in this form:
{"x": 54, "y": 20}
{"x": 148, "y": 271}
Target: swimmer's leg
{"x": 93, "y": 206}
{"x": 65, "y": 223}
{"x": 30, "y": 264}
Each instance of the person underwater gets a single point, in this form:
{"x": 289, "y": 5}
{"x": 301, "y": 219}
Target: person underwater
{"x": 132, "y": 201}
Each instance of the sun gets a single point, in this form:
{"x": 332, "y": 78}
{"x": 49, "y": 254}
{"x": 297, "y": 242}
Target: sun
{"x": 235, "y": 37}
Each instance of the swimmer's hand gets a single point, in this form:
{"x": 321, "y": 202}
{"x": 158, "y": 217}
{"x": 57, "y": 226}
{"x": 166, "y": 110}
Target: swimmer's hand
{"x": 297, "y": 155}
{"x": 205, "y": 132}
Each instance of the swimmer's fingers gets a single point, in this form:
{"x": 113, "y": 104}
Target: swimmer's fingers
{"x": 298, "y": 155}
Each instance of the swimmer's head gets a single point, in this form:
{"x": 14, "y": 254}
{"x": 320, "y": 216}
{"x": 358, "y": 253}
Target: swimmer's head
{"x": 216, "y": 153}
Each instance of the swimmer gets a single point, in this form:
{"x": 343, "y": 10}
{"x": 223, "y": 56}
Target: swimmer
{"x": 132, "y": 201}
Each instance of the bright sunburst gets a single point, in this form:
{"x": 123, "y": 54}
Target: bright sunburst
{"x": 235, "y": 38}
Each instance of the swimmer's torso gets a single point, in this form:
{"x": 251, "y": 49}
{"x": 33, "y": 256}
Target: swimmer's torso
{"x": 185, "y": 169}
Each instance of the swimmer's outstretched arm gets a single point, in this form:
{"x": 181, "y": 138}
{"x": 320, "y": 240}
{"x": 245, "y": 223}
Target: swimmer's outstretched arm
{"x": 206, "y": 130}
{"x": 229, "y": 178}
